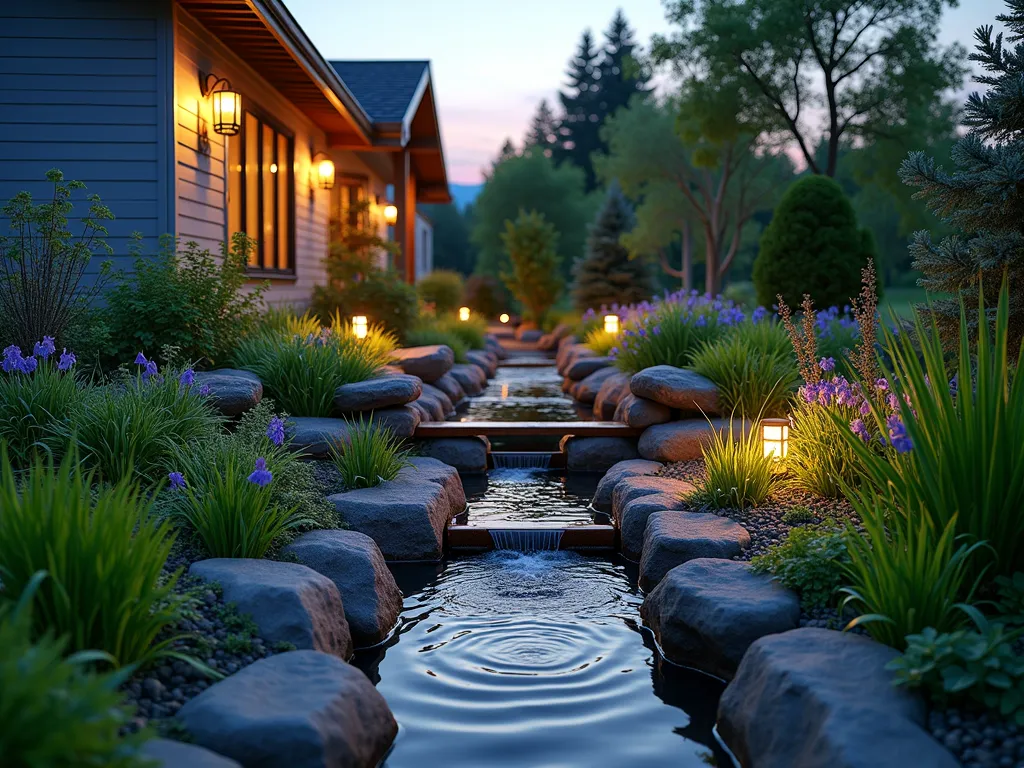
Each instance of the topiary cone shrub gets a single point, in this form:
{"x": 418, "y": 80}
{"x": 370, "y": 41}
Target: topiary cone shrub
{"x": 812, "y": 246}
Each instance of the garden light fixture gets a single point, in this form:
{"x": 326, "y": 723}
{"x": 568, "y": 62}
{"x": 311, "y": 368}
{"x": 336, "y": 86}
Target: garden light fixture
{"x": 227, "y": 103}
{"x": 324, "y": 170}
{"x": 611, "y": 324}
{"x": 391, "y": 214}
{"x": 504, "y": 317}
{"x": 359, "y": 326}
{"x": 775, "y": 438}
{"x": 463, "y": 314}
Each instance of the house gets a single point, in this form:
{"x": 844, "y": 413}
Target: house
{"x": 204, "y": 118}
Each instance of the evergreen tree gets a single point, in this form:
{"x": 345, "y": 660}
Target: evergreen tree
{"x": 578, "y": 130}
{"x": 543, "y": 133}
{"x": 606, "y": 274}
{"x": 508, "y": 151}
{"x": 621, "y": 73}
{"x": 982, "y": 198}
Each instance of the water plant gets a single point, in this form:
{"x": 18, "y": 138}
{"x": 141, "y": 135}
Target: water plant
{"x": 371, "y": 455}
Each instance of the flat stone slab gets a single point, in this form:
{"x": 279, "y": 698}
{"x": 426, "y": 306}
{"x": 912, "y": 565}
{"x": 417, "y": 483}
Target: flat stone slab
{"x": 815, "y": 697}
{"x": 374, "y": 394}
{"x": 706, "y": 613}
{"x": 678, "y": 440}
{"x": 676, "y": 388}
{"x": 638, "y": 412}
{"x": 467, "y": 454}
{"x": 673, "y": 538}
{"x": 471, "y": 378}
{"x": 177, "y": 754}
{"x": 642, "y": 484}
{"x": 233, "y": 392}
{"x": 428, "y": 363}
{"x": 451, "y": 387}
{"x": 583, "y": 367}
{"x": 354, "y": 563}
{"x": 533, "y": 334}
{"x": 302, "y": 709}
{"x": 315, "y": 435}
{"x": 597, "y": 454}
{"x": 632, "y": 520}
{"x": 620, "y": 471}
{"x": 610, "y": 394}
{"x": 586, "y": 389}
{"x": 288, "y": 602}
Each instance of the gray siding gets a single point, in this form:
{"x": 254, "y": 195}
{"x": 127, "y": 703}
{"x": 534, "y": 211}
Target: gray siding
{"x": 86, "y": 86}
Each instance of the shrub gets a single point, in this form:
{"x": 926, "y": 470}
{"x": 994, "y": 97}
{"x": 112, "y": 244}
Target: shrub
{"x": 428, "y": 335}
{"x": 532, "y": 247}
{"x": 764, "y": 336}
{"x": 1010, "y": 602}
{"x": 185, "y": 297}
{"x": 382, "y": 296}
{"x": 737, "y": 473}
{"x": 820, "y": 460}
{"x": 43, "y": 266}
{"x": 372, "y": 455}
{"x": 472, "y": 332}
{"x": 811, "y": 561}
{"x": 600, "y": 341}
{"x": 485, "y": 296}
{"x": 812, "y": 246}
{"x": 749, "y": 382}
{"x": 286, "y": 322}
{"x": 799, "y": 515}
{"x": 443, "y": 288}
{"x": 104, "y": 556}
{"x": 667, "y": 336}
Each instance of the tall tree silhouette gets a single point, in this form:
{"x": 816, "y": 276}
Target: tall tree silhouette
{"x": 543, "y": 133}
{"x": 578, "y": 130}
{"x": 621, "y": 73}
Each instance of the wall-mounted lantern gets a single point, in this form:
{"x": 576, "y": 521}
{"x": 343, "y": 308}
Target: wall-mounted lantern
{"x": 775, "y": 438}
{"x": 359, "y": 326}
{"x": 226, "y": 102}
{"x": 391, "y": 214}
{"x": 611, "y": 324}
{"x": 323, "y": 171}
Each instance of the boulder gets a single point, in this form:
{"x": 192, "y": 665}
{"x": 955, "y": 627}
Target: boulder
{"x": 814, "y": 697}
{"x": 673, "y": 538}
{"x": 232, "y": 392}
{"x": 401, "y": 420}
{"x": 374, "y": 394}
{"x": 523, "y": 328}
{"x": 637, "y": 485}
{"x": 176, "y": 754}
{"x": 429, "y": 407}
{"x": 612, "y": 391}
{"x": 584, "y": 366}
{"x": 467, "y": 454}
{"x": 633, "y": 517}
{"x": 596, "y": 454}
{"x": 424, "y": 467}
{"x": 638, "y": 412}
{"x": 678, "y": 440}
{"x": 572, "y": 354}
{"x": 314, "y": 435}
{"x": 288, "y": 602}
{"x": 471, "y": 378}
{"x": 630, "y": 468}
{"x": 586, "y": 389}
{"x": 447, "y": 406}
{"x": 354, "y": 563}
{"x": 705, "y": 613}
{"x": 301, "y": 709}
{"x": 390, "y": 370}
{"x": 564, "y": 347}
{"x": 529, "y": 336}
{"x": 488, "y": 363}
{"x": 428, "y": 363}
{"x": 493, "y": 344}
{"x": 550, "y": 340}
{"x": 451, "y": 387}
{"x": 676, "y": 388}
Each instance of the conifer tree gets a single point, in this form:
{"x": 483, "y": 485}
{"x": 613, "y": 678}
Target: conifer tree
{"x": 621, "y": 73}
{"x": 982, "y": 198}
{"x": 543, "y": 133}
{"x": 606, "y": 274}
{"x": 578, "y": 130}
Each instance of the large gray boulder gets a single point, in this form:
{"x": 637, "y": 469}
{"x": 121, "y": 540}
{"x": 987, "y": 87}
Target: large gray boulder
{"x": 638, "y": 412}
{"x": 355, "y": 564}
{"x": 550, "y": 340}
{"x": 301, "y": 709}
{"x": 289, "y": 602}
{"x": 428, "y": 363}
{"x": 641, "y": 484}
{"x": 705, "y": 613}
{"x": 679, "y": 440}
{"x": 586, "y": 389}
{"x": 315, "y": 436}
{"x": 232, "y": 392}
{"x": 467, "y": 454}
{"x": 471, "y": 378}
{"x": 596, "y": 454}
{"x": 176, "y": 754}
{"x": 571, "y": 355}
{"x": 633, "y": 517}
{"x": 400, "y": 420}
{"x": 620, "y": 471}
{"x": 485, "y": 361}
{"x": 673, "y": 538}
{"x": 429, "y": 390}
{"x": 374, "y": 394}
{"x": 584, "y": 366}
{"x": 451, "y": 387}
{"x": 676, "y": 388}
{"x": 612, "y": 390}
{"x": 429, "y": 408}
{"x": 811, "y": 697}
{"x": 564, "y": 347}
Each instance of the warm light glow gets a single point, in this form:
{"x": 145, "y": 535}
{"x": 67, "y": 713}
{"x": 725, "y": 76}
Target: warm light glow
{"x": 463, "y": 314}
{"x": 359, "y": 326}
{"x": 611, "y": 324}
{"x": 227, "y": 112}
{"x": 391, "y": 214}
{"x": 504, "y": 391}
{"x": 325, "y": 173}
{"x": 504, "y": 317}
{"x": 775, "y": 438}
{"x": 273, "y": 167}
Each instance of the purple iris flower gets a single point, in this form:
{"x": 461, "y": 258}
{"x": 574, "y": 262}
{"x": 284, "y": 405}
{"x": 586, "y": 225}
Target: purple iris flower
{"x": 827, "y": 364}
{"x": 67, "y": 359}
{"x": 760, "y": 313}
{"x": 275, "y": 431}
{"x": 177, "y": 480}
{"x": 150, "y": 370}
{"x": 860, "y": 429}
{"x": 261, "y": 476}
{"x": 12, "y": 358}
{"x": 656, "y": 330}
{"x": 701, "y": 321}
{"x": 140, "y": 359}
{"x": 27, "y": 364}
{"x": 898, "y": 434}
{"x": 187, "y": 378}
{"x": 44, "y": 348}
{"x": 205, "y": 390}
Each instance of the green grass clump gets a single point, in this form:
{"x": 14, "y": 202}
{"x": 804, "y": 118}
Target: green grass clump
{"x": 472, "y": 332}
{"x": 799, "y": 515}
{"x": 600, "y": 341}
{"x": 749, "y": 381}
{"x": 443, "y": 288}
{"x": 812, "y": 561}
{"x": 820, "y": 459}
{"x": 372, "y": 455}
{"x": 669, "y": 335}
{"x": 737, "y": 473}
{"x": 428, "y": 336}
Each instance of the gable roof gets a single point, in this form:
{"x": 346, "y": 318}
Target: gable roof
{"x": 384, "y": 89}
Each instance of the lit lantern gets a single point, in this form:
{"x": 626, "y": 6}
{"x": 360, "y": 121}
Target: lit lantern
{"x": 359, "y": 326}
{"x": 611, "y": 324}
{"x": 775, "y": 438}
{"x": 226, "y": 102}
{"x": 325, "y": 173}
{"x": 391, "y": 214}
{"x": 463, "y": 314}
{"x": 504, "y": 318}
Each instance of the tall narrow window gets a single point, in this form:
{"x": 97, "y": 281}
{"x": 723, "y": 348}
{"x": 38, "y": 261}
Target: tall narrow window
{"x": 261, "y": 196}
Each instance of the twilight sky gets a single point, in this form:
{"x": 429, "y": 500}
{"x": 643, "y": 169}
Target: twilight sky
{"x": 494, "y": 60}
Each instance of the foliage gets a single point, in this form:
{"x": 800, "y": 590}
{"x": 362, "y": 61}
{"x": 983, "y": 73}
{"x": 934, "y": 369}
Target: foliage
{"x": 358, "y": 248}
{"x": 104, "y": 556}
{"x": 1010, "y": 601}
{"x": 43, "y": 266}
{"x": 187, "y": 298}
{"x": 426, "y": 335}
{"x": 749, "y": 381}
{"x": 443, "y": 289}
{"x": 669, "y": 334}
{"x": 607, "y": 274}
{"x": 531, "y": 246}
{"x": 600, "y": 341}
{"x": 798, "y": 515}
{"x": 973, "y": 666}
{"x": 286, "y": 322}
{"x": 382, "y": 296}
{"x": 811, "y": 561}
{"x": 542, "y": 135}
{"x": 812, "y": 246}
{"x": 371, "y": 455}
{"x": 472, "y": 332}
{"x": 485, "y": 296}
{"x": 819, "y": 460}
{"x": 452, "y": 248}
{"x": 738, "y": 474}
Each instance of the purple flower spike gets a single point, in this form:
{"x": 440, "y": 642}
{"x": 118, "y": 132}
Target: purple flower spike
{"x": 140, "y": 359}
{"x": 187, "y": 378}
{"x": 275, "y": 431}
{"x": 151, "y": 370}
{"x": 261, "y": 476}
{"x": 177, "y": 480}
{"x": 44, "y": 348}
{"x": 898, "y": 434}
{"x": 67, "y": 359}
{"x": 860, "y": 429}
{"x": 827, "y": 363}
{"x": 205, "y": 390}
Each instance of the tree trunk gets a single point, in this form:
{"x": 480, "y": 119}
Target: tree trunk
{"x": 712, "y": 280}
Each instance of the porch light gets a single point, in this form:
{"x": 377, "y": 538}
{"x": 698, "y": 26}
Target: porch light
{"x": 359, "y": 326}
{"x": 324, "y": 171}
{"x": 504, "y": 318}
{"x": 611, "y": 324}
{"x": 463, "y": 314}
{"x": 226, "y": 102}
{"x": 775, "y": 438}
{"x": 391, "y": 214}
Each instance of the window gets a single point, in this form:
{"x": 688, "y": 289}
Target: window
{"x": 261, "y": 192}
{"x": 353, "y": 211}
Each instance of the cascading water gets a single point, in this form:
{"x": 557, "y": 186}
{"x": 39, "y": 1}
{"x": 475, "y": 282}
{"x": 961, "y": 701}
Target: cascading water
{"x": 532, "y": 460}
{"x": 526, "y": 540}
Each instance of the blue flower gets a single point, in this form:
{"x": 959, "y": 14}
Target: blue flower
{"x": 67, "y": 359}
{"x": 760, "y": 313}
{"x": 205, "y": 390}
{"x": 177, "y": 480}
{"x": 151, "y": 369}
{"x": 44, "y": 348}
{"x": 261, "y": 476}
{"x": 898, "y": 434}
{"x": 827, "y": 363}
{"x": 275, "y": 431}
{"x": 860, "y": 429}
{"x": 12, "y": 358}
{"x": 187, "y": 378}
{"x": 656, "y": 330}
{"x": 701, "y": 321}
{"x": 140, "y": 359}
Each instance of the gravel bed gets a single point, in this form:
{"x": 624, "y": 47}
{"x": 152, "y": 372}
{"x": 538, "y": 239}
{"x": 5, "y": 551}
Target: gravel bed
{"x": 978, "y": 739}
{"x": 327, "y": 477}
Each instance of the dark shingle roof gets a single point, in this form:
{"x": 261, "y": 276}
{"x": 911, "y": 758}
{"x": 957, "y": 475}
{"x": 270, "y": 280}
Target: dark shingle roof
{"x": 384, "y": 89}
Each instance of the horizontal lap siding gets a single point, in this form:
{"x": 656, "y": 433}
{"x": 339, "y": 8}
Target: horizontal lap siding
{"x": 85, "y": 87}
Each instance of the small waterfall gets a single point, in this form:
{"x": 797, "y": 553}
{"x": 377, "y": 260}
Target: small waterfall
{"x": 504, "y": 460}
{"x": 526, "y": 540}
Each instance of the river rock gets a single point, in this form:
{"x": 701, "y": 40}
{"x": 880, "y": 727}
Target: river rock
{"x": 620, "y": 471}
{"x": 706, "y": 612}
{"x": 640, "y": 413}
{"x": 673, "y": 538}
{"x": 429, "y": 407}
{"x": 679, "y": 440}
{"x": 608, "y": 396}
{"x": 377, "y": 393}
{"x": 467, "y": 454}
{"x": 471, "y": 378}
{"x": 632, "y": 521}
{"x": 530, "y": 336}
{"x": 314, "y": 435}
{"x": 572, "y": 354}
{"x": 814, "y": 697}
{"x": 641, "y": 484}
{"x": 301, "y": 709}
{"x": 446, "y": 402}
{"x": 401, "y": 420}
{"x": 355, "y": 564}
{"x": 451, "y": 387}
{"x": 232, "y": 392}
{"x": 550, "y": 340}
{"x": 583, "y": 367}
{"x": 288, "y": 602}
{"x": 176, "y": 754}
{"x": 676, "y": 388}
{"x": 487, "y": 362}
{"x": 428, "y": 363}
{"x": 596, "y": 454}
{"x": 493, "y": 343}
{"x": 587, "y": 389}
{"x": 563, "y": 348}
